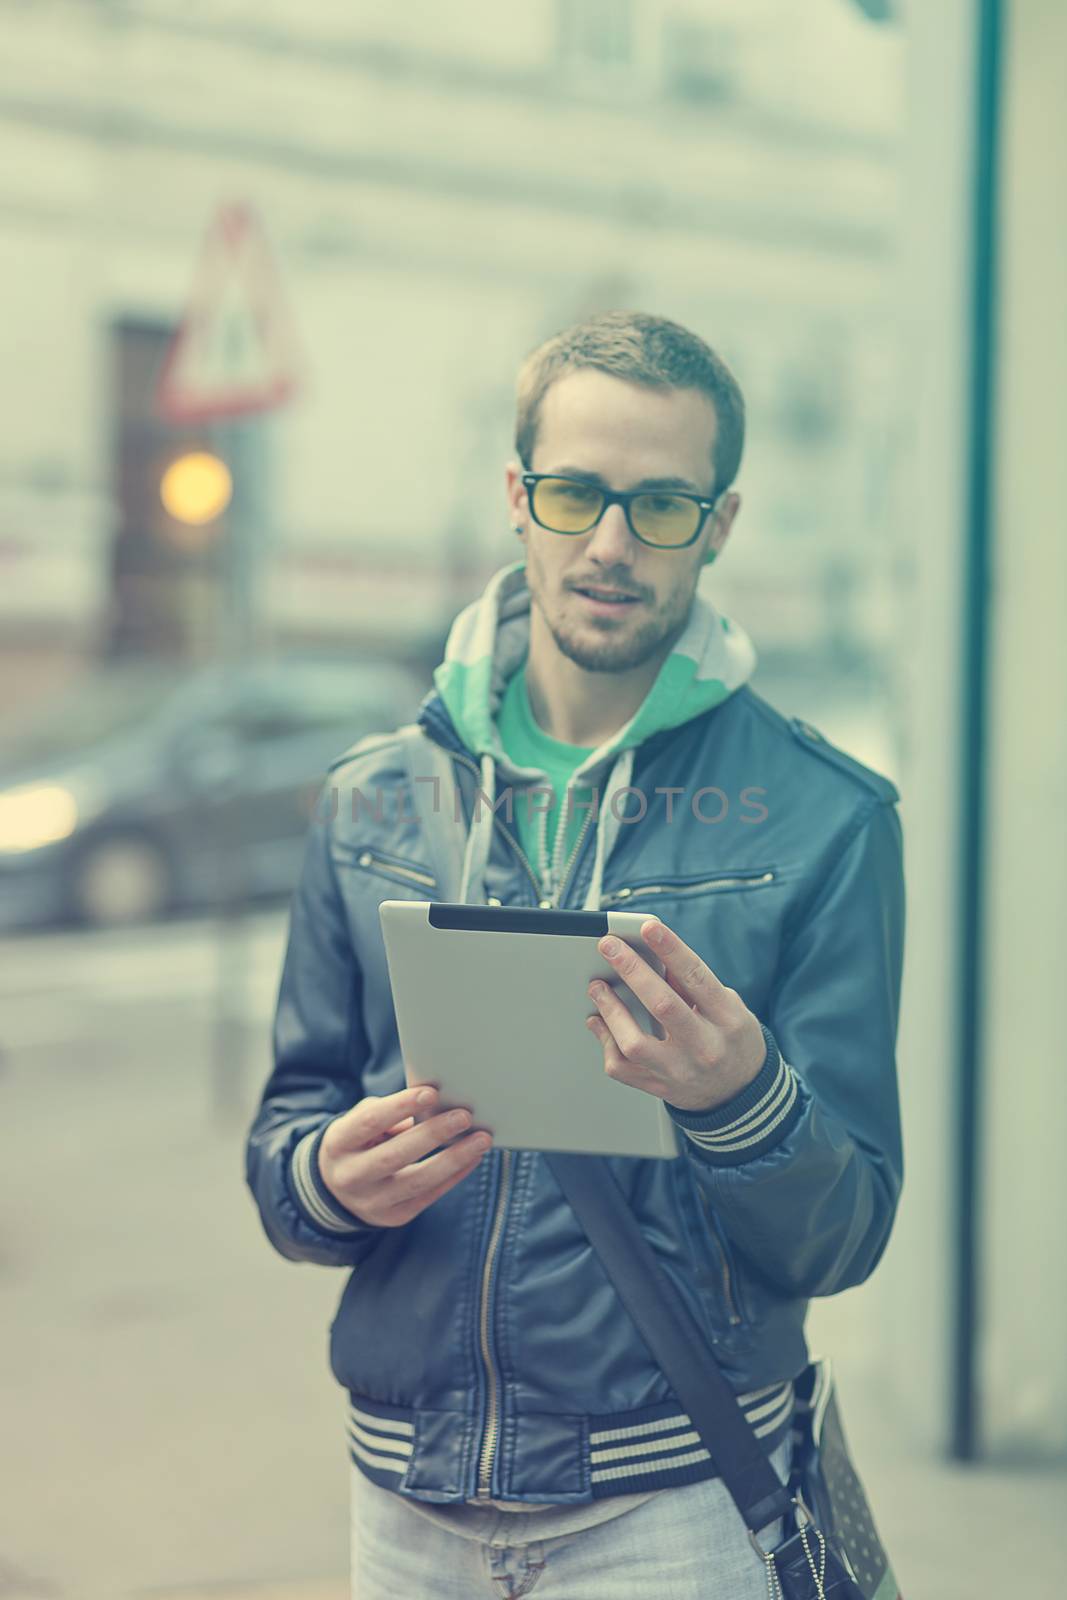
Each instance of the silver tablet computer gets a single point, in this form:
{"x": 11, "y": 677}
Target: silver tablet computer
{"x": 490, "y": 1006}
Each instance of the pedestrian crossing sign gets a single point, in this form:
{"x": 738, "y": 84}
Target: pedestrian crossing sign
{"x": 234, "y": 353}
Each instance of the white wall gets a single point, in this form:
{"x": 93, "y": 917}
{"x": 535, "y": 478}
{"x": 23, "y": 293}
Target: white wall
{"x": 1024, "y": 1335}
{"x": 894, "y": 1331}
{"x": 897, "y": 1329}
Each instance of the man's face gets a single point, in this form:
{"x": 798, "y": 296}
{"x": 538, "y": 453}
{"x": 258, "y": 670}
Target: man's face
{"x": 622, "y": 436}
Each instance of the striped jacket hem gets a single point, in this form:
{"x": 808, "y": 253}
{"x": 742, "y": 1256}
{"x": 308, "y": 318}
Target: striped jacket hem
{"x": 584, "y": 1458}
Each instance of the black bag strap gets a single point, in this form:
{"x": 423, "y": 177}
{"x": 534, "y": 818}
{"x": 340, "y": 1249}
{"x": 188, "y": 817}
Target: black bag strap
{"x": 665, "y": 1323}
{"x": 591, "y": 1189}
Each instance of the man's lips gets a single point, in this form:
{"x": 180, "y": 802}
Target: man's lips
{"x": 604, "y": 595}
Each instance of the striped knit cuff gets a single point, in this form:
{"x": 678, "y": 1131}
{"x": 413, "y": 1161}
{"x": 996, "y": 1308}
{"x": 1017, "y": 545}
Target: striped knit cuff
{"x": 315, "y": 1202}
{"x": 754, "y": 1121}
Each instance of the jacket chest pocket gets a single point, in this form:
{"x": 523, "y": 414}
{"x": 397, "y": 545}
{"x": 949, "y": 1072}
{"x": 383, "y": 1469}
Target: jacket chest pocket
{"x": 740, "y": 880}
{"x": 732, "y": 919}
{"x": 379, "y": 864}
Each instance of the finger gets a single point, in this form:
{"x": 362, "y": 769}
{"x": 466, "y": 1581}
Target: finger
{"x": 420, "y": 1200}
{"x": 421, "y": 1178}
{"x": 372, "y": 1117}
{"x": 393, "y": 1155}
{"x": 627, "y": 1034}
{"x": 615, "y": 1063}
{"x": 660, "y": 1000}
{"x": 445, "y": 1159}
{"x": 687, "y": 973}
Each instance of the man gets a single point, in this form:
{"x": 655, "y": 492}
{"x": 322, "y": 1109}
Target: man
{"x": 507, "y": 1425}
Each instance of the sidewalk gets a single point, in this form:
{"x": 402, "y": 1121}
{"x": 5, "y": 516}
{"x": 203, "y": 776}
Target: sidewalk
{"x": 960, "y": 1532}
{"x": 285, "y": 1591}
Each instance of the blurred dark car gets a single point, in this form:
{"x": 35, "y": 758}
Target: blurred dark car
{"x": 146, "y": 791}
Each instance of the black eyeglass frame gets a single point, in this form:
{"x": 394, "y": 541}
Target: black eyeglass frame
{"x": 612, "y": 497}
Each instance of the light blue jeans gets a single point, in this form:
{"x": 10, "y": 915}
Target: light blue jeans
{"x": 688, "y": 1544}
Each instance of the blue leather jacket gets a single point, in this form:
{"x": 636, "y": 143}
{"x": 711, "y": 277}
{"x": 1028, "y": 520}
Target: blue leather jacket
{"x": 484, "y": 1351}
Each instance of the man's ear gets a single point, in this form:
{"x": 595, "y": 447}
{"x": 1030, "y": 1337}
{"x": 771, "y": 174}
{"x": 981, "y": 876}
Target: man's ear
{"x": 516, "y": 494}
{"x": 722, "y": 520}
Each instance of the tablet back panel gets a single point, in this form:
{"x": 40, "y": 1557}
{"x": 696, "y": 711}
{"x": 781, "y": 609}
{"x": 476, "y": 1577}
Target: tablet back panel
{"x": 490, "y": 1005}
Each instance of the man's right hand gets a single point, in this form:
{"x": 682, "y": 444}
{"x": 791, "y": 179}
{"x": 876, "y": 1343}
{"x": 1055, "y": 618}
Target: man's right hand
{"x": 369, "y": 1156}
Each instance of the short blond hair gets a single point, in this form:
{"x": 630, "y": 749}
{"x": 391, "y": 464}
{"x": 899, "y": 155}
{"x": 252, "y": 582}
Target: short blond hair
{"x": 641, "y": 349}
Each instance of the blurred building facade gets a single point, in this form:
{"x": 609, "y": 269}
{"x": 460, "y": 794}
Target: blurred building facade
{"x": 442, "y": 190}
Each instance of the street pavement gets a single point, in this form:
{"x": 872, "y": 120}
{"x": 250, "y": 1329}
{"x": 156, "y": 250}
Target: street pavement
{"x": 170, "y": 1426}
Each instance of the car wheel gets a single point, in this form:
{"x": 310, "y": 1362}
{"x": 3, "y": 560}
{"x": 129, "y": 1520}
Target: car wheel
{"x": 120, "y": 880}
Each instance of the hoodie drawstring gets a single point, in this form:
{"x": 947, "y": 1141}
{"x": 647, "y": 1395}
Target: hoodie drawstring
{"x": 479, "y": 838}
{"x": 608, "y": 825}
{"x": 480, "y": 833}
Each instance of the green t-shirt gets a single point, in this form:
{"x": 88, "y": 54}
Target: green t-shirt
{"x": 528, "y": 745}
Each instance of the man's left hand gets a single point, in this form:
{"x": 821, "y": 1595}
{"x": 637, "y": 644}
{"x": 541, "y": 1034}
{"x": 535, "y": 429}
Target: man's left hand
{"x": 713, "y": 1045}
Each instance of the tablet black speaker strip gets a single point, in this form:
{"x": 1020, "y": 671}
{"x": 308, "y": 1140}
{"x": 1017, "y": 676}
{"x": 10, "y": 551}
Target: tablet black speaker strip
{"x": 518, "y": 919}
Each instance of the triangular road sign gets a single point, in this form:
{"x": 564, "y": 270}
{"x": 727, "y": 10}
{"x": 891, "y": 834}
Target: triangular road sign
{"x": 234, "y": 353}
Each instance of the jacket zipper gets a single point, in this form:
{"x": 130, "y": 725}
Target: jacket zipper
{"x": 541, "y": 901}
{"x": 687, "y": 888}
{"x": 367, "y": 858}
{"x": 376, "y": 863}
{"x": 731, "y": 1305}
{"x": 492, "y": 1416}
{"x": 491, "y": 1430}
{"x": 574, "y": 853}
{"x": 490, "y": 1433}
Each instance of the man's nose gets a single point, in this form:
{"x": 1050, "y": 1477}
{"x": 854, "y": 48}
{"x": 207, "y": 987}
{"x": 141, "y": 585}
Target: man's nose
{"x": 612, "y": 543}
